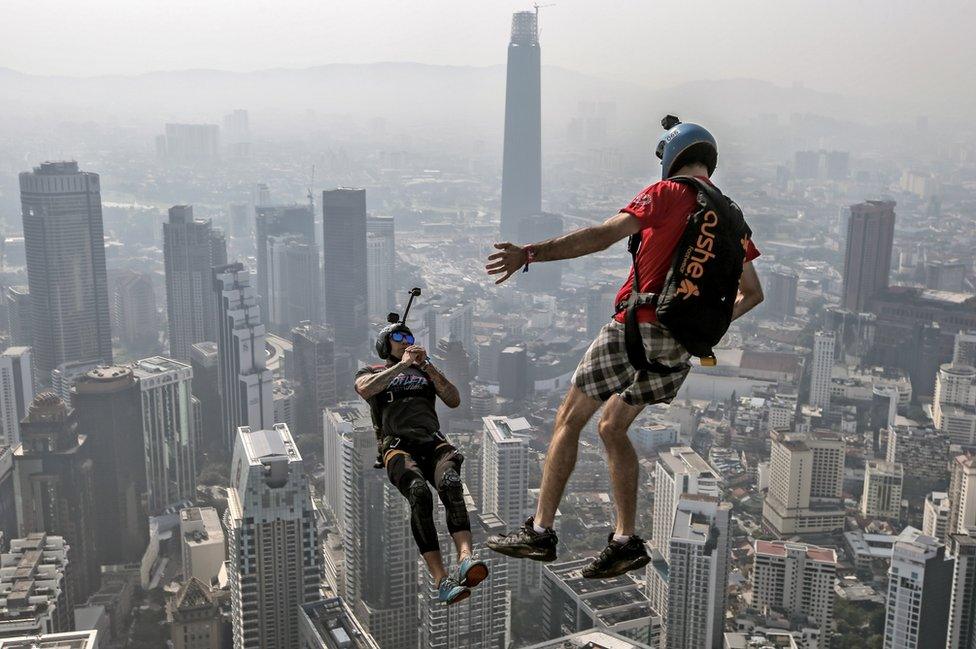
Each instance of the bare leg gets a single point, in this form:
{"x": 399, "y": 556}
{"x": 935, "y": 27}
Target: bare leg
{"x": 575, "y": 411}
{"x": 462, "y": 541}
{"x": 435, "y": 565}
{"x": 616, "y": 418}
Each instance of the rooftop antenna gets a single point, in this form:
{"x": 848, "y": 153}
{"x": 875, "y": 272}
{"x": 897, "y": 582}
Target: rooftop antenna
{"x": 537, "y": 7}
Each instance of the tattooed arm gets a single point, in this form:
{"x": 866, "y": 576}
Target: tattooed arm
{"x": 445, "y": 389}
{"x": 369, "y": 385}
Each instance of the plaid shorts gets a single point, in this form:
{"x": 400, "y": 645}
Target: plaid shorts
{"x": 605, "y": 369}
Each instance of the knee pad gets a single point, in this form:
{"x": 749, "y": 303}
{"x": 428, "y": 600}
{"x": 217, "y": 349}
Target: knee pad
{"x": 419, "y": 496}
{"x": 451, "y": 491}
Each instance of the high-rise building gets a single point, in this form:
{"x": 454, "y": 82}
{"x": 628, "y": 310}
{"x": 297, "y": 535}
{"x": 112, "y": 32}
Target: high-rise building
{"x": 279, "y": 221}
{"x": 16, "y": 391}
{"x": 381, "y": 265}
{"x": 954, "y": 403}
{"x": 961, "y": 631}
{"x": 194, "y": 617}
{"x": 962, "y": 495}
{"x": 275, "y": 562}
{"x": 245, "y": 382}
{"x": 341, "y": 423}
{"x": 823, "y": 364}
{"x": 697, "y": 574}
{"x": 201, "y": 543}
{"x": 522, "y": 156}
{"x": 293, "y": 281}
{"x": 168, "y": 429}
{"x": 376, "y": 532}
{"x": 17, "y": 300}
{"x": 189, "y": 143}
{"x": 924, "y": 452}
{"x": 881, "y": 497}
{"x": 571, "y": 603}
{"x": 206, "y": 389}
{"x": 452, "y": 359}
{"x": 330, "y": 624}
{"x": 514, "y": 381}
{"x": 64, "y": 241}
{"x": 679, "y": 470}
{"x": 8, "y": 496}
{"x": 34, "y": 597}
{"x": 107, "y": 402}
{"x": 806, "y": 484}
{"x": 284, "y": 402}
{"x": 134, "y": 317}
{"x": 935, "y": 515}
{"x": 867, "y": 260}
{"x": 964, "y": 348}
{"x": 484, "y": 622}
{"x": 796, "y": 579}
{"x": 313, "y": 360}
{"x": 191, "y": 247}
{"x": 63, "y": 376}
{"x": 919, "y": 588}
{"x": 55, "y": 476}
{"x": 780, "y": 284}
{"x": 346, "y": 282}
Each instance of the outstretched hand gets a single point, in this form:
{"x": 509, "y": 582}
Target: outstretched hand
{"x": 508, "y": 261}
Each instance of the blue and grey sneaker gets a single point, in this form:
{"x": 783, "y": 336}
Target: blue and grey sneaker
{"x": 472, "y": 572}
{"x": 450, "y": 591}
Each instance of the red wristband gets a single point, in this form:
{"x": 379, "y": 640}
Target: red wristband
{"x": 529, "y": 257}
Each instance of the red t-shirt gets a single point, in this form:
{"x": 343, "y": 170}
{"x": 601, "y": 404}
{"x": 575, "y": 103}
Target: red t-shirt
{"x": 663, "y": 210}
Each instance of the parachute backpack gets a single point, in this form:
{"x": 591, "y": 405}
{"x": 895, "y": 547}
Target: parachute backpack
{"x": 699, "y": 291}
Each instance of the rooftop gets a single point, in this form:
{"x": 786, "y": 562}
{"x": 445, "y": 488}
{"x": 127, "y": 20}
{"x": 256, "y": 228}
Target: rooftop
{"x": 782, "y": 549}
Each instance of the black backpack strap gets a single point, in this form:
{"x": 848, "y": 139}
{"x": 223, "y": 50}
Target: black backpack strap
{"x": 633, "y": 342}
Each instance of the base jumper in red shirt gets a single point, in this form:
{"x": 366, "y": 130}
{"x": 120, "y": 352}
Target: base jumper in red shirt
{"x": 605, "y": 377}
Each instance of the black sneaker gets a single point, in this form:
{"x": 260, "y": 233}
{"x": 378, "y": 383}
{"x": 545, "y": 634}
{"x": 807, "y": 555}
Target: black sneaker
{"x": 526, "y": 543}
{"x": 618, "y": 558}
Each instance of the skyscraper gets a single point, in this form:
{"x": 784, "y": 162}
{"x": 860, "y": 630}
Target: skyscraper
{"x": 381, "y": 265}
{"x": 206, "y": 389}
{"x": 514, "y": 381}
{"x": 954, "y": 403}
{"x": 962, "y": 495}
{"x": 169, "y": 434}
{"x": 453, "y": 361}
{"x": 16, "y": 391}
{"x": 62, "y": 216}
{"x": 962, "y": 606}
{"x": 679, "y": 470}
{"x": 797, "y": 579}
{"x": 346, "y": 283}
{"x": 107, "y": 403}
{"x": 823, "y": 364}
{"x": 505, "y": 479}
{"x": 963, "y": 349}
{"x": 55, "y": 474}
{"x": 245, "y": 381}
{"x": 134, "y": 317}
{"x": 293, "y": 281}
{"x": 18, "y": 315}
{"x": 867, "y": 261}
{"x": 805, "y": 484}
{"x": 697, "y": 573}
{"x": 279, "y": 220}
{"x": 781, "y": 284}
{"x": 34, "y": 591}
{"x": 275, "y": 562}
{"x": 935, "y": 515}
{"x": 313, "y": 361}
{"x": 919, "y": 589}
{"x": 522, "y": 156}
{"x": 191, "y": 247}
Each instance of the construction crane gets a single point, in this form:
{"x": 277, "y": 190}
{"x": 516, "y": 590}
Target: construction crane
{"x": 537, "y": 7}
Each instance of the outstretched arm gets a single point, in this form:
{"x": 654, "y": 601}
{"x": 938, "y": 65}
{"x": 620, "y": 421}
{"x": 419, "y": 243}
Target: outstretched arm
{"x": 750, "y": 291}
{"x": 578, "y": 243}
{"x": 445, "y": 389}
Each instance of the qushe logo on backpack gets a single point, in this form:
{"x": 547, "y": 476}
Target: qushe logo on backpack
{"x": 698, "y": 295}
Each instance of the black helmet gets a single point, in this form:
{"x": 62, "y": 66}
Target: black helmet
{"x": 383, "y": 347}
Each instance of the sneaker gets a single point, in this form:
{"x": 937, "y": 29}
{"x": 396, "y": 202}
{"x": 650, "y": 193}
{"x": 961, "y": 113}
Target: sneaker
{"x": 472, "y": 572}
{"x": 526, "y": 543}
{"x": 450, "y": 591}
{"x": 618, "y": 558}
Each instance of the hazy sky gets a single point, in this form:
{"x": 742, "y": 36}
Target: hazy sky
{"x": 870, "y": 48}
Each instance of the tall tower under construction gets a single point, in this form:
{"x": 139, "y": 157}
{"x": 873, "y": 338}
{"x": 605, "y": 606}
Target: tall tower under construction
{"x": 522, "y": 158}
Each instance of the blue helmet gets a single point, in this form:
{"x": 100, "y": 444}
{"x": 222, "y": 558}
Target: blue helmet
{"x": 678, "y": 138}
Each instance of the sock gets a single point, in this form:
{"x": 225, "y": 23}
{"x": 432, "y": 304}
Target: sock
{"x": 621, "y": 538}
{"x": 537, "y": 528}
